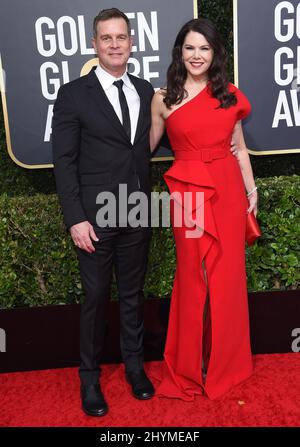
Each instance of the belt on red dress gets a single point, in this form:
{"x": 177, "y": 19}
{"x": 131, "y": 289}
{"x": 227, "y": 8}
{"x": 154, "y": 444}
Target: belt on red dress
{"x": 204, "y": 154}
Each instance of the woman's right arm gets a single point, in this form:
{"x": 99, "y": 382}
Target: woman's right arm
{"x": 157, "y": 120}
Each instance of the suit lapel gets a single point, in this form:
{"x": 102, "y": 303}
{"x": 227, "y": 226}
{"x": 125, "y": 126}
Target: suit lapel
{"x": 99, "y": 97}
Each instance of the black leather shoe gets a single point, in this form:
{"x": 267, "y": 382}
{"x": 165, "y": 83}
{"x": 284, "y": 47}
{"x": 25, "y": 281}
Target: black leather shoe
{"x": 92, "y": 399}
{"x": 141, "y": 386}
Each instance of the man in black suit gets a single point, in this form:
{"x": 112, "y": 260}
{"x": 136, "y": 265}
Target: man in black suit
{"x": 100, "y": 141}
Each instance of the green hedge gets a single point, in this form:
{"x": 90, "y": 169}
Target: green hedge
{"x": 39, "y": 265}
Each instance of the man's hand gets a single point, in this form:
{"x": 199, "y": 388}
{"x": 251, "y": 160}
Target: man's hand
{"x": 234, "y": 150}
{"x": 82, "y": 234}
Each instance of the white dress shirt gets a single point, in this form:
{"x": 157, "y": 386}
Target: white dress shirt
{"x": 111, "y": 91}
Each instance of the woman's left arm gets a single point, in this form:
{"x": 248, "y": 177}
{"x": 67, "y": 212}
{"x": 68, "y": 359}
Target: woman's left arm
{"x": 245, "y": 165}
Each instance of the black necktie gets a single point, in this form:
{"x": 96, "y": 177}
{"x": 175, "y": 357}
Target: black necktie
{"x": 124, "y": 107}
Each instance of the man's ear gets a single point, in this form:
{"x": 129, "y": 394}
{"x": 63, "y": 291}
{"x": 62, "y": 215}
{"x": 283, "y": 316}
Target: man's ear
{"x": 131, "y": 42}
{"x": 94, "y": 44}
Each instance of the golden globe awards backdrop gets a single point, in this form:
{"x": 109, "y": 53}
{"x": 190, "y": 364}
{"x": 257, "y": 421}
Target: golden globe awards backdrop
{"x": 267, "y": 69}
{"x": 45, "y": 44}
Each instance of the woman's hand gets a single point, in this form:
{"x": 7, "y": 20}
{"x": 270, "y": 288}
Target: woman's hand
{"x": 253, "y": 200}
{"x": 234, "y": 149}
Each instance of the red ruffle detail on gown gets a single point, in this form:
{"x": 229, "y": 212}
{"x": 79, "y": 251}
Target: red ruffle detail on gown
{"x": 183, "y": 380}
{"x": 193, "y": 177}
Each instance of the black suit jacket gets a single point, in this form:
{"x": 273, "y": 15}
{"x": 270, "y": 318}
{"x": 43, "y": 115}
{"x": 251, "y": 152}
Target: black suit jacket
{"x": 91, "y": 150}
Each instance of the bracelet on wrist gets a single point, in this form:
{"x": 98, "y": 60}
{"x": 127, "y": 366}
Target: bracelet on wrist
{"x": 252, "y": 191}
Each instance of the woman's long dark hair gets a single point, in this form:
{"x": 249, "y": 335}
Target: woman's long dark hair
{"x": 177, "y": 73}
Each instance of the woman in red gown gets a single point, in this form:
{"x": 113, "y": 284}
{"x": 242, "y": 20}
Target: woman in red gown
{"x": 208, "y": 345}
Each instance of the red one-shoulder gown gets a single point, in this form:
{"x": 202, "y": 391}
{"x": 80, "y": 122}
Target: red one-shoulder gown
{"x": 200, "y": 135}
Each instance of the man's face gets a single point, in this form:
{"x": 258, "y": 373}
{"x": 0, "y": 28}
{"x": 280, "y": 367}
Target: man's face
{"x": 113, "y": 45}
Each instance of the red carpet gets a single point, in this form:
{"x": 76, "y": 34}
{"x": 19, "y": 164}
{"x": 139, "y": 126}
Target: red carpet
{"x": 51, "y": 398}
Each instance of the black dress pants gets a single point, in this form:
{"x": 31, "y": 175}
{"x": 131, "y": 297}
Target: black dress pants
{"x": 126, "y": 249}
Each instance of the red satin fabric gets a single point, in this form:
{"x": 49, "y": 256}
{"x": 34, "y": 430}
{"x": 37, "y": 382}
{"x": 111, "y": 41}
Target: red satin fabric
{"x": 252, "y": 229}
{"x": 200, "y": 136}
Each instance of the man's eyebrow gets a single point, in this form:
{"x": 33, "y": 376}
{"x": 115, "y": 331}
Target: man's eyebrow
{"x": 109, "y": 35}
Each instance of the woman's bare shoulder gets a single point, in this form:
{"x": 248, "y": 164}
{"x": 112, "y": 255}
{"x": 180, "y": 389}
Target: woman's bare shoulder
{"x": 160, "y": 94}
{"x": 158, "y": 98}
